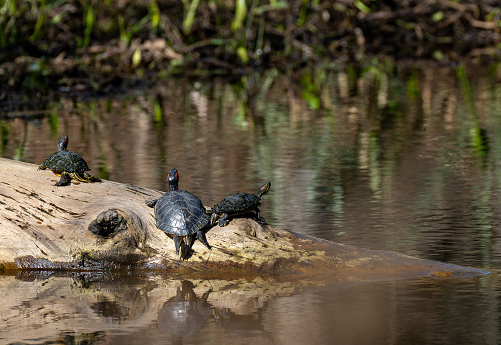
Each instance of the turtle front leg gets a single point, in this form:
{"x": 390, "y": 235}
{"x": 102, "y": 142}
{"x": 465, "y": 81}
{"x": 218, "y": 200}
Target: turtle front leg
{"x": 258, "y": 216}
{"x": 64, "y": 180}
{"x": 151, "y": 203}
{"x": 223, "y": 221}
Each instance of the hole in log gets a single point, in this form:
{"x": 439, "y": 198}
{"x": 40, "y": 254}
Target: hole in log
{"x": 108, "y": 223}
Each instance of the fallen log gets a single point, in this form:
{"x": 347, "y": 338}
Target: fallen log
{"x": 107, "y": 225}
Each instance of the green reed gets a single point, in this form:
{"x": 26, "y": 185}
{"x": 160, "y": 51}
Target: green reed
{"x": 82, "y": 22}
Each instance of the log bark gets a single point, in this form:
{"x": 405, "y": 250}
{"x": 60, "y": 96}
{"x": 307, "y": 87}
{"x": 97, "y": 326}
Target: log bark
{"x": 106, "y": 225}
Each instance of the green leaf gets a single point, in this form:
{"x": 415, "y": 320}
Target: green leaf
{"x": 362, "y": 7}
{"x": 136, "y": 58}
{"x": 242, "y": 54}
{"x": 312, "y": 99}
{"x": 438, "y": 55}
{"x": 240, "y": 14}
{"x": 154, "y": 12}
{"x": 437, "y": 16}
{"x": 190, "y": 16}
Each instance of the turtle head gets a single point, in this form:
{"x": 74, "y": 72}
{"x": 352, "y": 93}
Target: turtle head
{"x": 264, "y": 189}
{"x": 63, "y": 143}
{"x": 173, "y": 180}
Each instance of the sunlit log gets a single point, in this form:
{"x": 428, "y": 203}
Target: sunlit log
{"x": 88, "y": 226}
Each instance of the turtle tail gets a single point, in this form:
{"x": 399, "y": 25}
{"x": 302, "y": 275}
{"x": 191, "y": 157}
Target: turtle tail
{"x": 84, "y": 177}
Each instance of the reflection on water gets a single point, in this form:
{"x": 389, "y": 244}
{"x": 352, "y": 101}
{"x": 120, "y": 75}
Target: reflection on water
{"x": 185, "y": 314}
{"x": 150, "y": 309}
{"x": 401, "y": 158}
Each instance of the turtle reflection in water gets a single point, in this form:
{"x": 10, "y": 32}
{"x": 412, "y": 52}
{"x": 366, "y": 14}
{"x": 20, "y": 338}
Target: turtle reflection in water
{"x": 67, "y": 164}
{"x": 185, "y": 314}
{"x": 239, "y": 203}
{"x": 181, "y": 214}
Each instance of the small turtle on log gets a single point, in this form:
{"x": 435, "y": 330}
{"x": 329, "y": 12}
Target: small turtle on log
{"x": 179, "y": 214}
{"x": 239, "y": 203}
{"x": 67, "y": 164}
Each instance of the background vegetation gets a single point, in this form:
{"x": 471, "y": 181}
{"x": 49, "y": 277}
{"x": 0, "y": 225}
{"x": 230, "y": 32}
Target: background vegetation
{"x": 101, "y": 45}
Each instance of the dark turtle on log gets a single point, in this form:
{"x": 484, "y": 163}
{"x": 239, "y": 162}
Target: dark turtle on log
{"x": 67, "y": 164}
{"x": 180, "y": 214}
{"x": 239, "y": 203}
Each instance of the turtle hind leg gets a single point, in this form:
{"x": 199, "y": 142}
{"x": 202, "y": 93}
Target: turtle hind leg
{"x": 186, "y": 244}
{"x": 201, "y": 237}
{"x": 182, "y": 248}
{"x": 79, "y": 177}
{"x": 92, "y": 178}
{"x": 84, "y": 177}
{"x": 64, "y": 181}
{"x": 177, "y": 243}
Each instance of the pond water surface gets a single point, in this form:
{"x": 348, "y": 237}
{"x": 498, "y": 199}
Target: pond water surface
{"x": 401, "y": 158}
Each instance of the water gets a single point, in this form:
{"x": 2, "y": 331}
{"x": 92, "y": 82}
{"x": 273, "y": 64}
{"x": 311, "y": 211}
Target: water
{"x": 151, "y": 309}
{"x": 402, "y": 159}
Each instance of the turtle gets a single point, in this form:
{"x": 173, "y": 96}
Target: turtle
{"x": 67, "y": 164}
{"x": 239, "y": 203}
{"x": 179, "y": 213}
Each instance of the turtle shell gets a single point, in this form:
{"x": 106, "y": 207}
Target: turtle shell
{"x": 180, "y": 213}
{"x": 68, "y": 161}
{"x": 237, "y": 203}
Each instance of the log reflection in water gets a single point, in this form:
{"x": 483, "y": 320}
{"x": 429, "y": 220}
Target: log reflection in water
{"x": 45, "y": 306}
{"x": 152, "y": 308}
